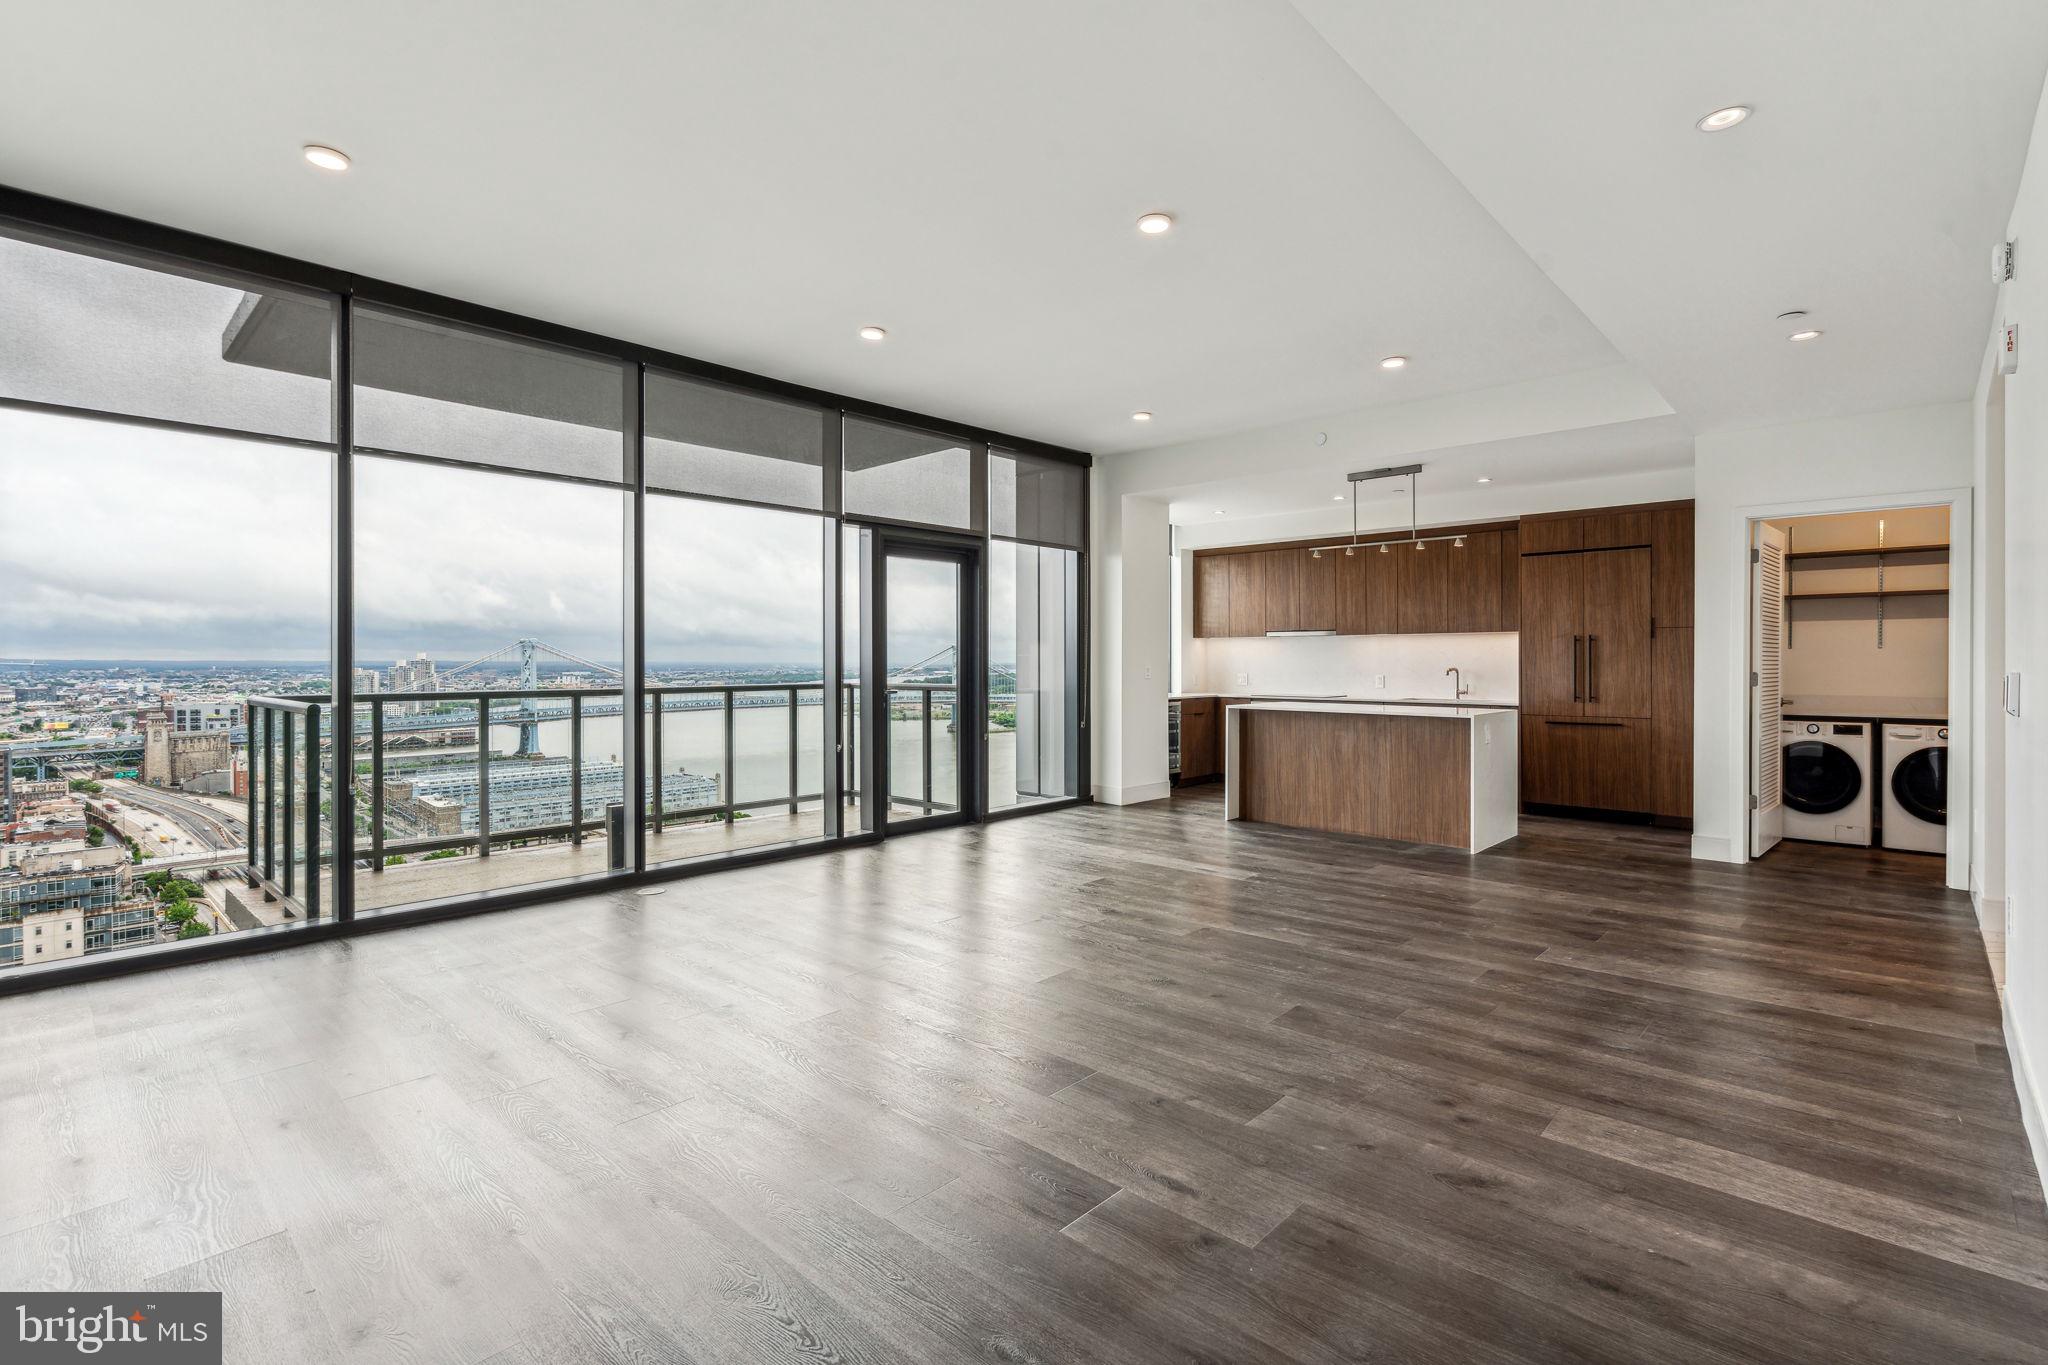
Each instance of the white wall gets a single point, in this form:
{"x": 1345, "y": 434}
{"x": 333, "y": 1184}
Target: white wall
{"x": 1987, "y": 806}
{"x": 1133, "y": 624}
{"x": 2025, "y": 607}
{"x": 1910, "y": 454}
{"x": 1448, "y": 506}
{"x": 1411, "y": 665}
{"x": 1832, "y": 648}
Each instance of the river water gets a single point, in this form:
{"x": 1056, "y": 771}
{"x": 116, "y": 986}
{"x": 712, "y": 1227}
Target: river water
{"x": 694, "y": 741}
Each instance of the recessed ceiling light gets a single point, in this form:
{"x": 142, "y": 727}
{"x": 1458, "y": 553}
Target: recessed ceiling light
{"x": 1336, "y": 497}
{"x": 1807, "y": 335}
{"x": 1141, "y": 416}
{"x": 1152, "y": 224}
{"x": 1485, "y": 478}
{"x": 872, "y": 333}
{"x": 1723, "y": 119}
{"x": 1219, "y": 511}
{"x": 326, "y": 158}
{"x": 1394, "y": 362}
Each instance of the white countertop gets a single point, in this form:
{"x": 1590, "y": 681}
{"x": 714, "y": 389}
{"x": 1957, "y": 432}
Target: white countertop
{"x": 1814, "y": 705}
{"x": 1348, "y": 698}
{"x": 1356, "y": 708}
{"x": 1254, "y": 692}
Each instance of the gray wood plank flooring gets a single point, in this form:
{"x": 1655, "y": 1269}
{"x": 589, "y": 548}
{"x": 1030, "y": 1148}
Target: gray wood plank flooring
{"x": 1120, "y": 1085}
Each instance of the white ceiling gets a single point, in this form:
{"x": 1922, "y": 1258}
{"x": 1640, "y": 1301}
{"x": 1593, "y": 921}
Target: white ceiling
{"x": 1869, "y": 186}
{"x": 750, "y": 183}
{"x": 1516, "y": 470}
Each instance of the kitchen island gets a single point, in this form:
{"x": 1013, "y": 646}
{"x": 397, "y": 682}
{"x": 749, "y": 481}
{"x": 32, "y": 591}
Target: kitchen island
{"x": 1424, "y": 774}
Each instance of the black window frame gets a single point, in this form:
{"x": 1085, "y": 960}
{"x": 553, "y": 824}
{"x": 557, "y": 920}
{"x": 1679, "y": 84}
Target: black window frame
{"x": 98, "y": 232}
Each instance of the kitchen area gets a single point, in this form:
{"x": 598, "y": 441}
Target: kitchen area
{"x": 1430, "y": 684}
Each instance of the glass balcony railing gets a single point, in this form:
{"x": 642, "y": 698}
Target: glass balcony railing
{"x": 286, "y": 821}
{"x": 463, "y": 793}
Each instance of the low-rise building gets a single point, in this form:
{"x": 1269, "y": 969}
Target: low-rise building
{"x": 62, "y": 905}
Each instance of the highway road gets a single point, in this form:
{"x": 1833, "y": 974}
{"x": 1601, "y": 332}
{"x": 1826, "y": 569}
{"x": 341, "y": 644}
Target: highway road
{"x": 206, "y": 825}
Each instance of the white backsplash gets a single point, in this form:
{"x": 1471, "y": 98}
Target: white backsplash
{"x": 1413, "y": 665}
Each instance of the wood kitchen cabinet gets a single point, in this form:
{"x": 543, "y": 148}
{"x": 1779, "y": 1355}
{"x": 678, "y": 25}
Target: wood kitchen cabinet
{"x": 1671, "y": 541}
{"x": 1586, "y": 634}
{"x": 1315, "y": 591}
{"x": 1422, "y": 586}
{"x": 1365, "y": 601}
{"x": 1212, "y": 596}
{"x": 1442, "y": 587}
{"x": 1617, "y": 528}
{"x": 1606, "y": 671}
{"x": 1617, "y": 624}
{"x": 1671, "y": 662}
{"x": 1254, "y": 592}
{"x": 1476, "y": 583}
{"x": 1553, "y": 588}
{"x": 1594, "y": 764}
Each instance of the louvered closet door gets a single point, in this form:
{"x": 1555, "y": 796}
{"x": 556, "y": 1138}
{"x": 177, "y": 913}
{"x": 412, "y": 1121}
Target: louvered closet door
{"x": 1766, "y": 651}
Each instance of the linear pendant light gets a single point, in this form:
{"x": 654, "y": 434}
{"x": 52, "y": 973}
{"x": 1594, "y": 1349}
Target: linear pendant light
{"x": 1415, "y": 536}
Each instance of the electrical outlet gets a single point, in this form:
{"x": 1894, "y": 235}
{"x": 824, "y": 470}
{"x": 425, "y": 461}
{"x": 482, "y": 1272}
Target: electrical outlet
{"x": 1379, "y": 680}
{"x": 1244, "y": 680}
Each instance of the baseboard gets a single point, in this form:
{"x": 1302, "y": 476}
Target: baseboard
{"x": 2030, "y": 1096}
{"x": 1132, "y": 796}
{"x": 1712, "y": 848}
{"x": 1990, "y": 911}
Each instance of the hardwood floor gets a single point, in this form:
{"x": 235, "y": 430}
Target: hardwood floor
{"x": 1108, "y": 1084}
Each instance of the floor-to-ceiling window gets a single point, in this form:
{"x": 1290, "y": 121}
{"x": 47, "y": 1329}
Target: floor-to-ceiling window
{"x": 164, "y": 558}
{"x": 490, "y": 501}
{"x": 735, "y": 619}
{"x": 585, "y": 611}
{"x": 1036, "y": 524}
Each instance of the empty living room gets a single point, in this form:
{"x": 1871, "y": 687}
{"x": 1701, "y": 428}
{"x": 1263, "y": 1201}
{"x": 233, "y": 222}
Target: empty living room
{"x": 1269, "y": 681}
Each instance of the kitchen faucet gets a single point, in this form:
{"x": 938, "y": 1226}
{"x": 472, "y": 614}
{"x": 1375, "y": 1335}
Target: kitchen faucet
{"x": 1458, "y": 688}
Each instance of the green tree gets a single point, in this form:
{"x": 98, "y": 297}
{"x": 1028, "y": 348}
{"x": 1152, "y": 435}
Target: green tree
{"x": 393, "y": 859}
{"x": 95, "y": 836}
{"x": 181, "y": 912}
{"x": 194, "y": 930}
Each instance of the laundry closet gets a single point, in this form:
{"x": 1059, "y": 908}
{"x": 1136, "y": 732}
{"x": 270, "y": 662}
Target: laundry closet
{"x": 1857, "y": 607}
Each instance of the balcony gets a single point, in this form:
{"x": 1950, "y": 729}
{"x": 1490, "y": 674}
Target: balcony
{"x": 440, "y": 817}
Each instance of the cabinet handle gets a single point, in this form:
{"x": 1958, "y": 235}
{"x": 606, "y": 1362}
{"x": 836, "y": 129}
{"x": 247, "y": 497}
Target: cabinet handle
{"x": 1575, "y": 669}
{"x": 1590, "y": 724}
{"x": 1592, "y": 668}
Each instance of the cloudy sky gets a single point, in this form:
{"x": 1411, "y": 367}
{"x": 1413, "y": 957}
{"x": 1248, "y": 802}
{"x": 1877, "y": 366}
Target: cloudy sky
{"x": 120, "y": 541}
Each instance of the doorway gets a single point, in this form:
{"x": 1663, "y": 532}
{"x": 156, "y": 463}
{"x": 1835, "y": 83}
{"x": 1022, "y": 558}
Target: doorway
{"x": 1857, "y": 676}
{"x": 923, "y": 689}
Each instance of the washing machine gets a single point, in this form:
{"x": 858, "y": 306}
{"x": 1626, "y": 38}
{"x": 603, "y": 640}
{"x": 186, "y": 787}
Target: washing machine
{"x": 1916, "y": 788}
{"x": 1828, "y": 766}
